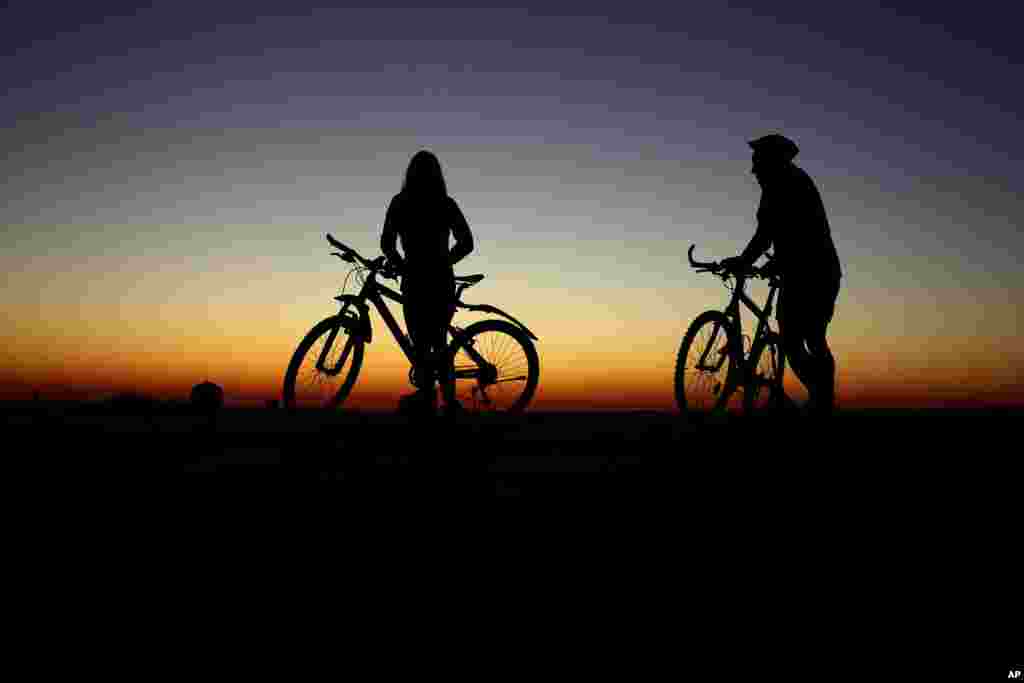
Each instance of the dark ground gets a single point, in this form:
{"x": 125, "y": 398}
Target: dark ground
{"x": 889, "y": 522}
{"x": 865, "y": 456}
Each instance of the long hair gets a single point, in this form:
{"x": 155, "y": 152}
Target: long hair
{"x": 423, "y": 177}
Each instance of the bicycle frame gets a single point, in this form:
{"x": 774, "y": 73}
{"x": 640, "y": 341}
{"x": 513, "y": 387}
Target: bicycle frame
{"x": 739, "y": 294}
{"x": 755, "y": 366}
{"x": 376, "y": 293}
{"x": 732, "y": 314}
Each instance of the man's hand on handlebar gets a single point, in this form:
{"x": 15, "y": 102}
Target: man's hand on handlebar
{"x": 733, "y": 264}
{"x": 388, "y": 270}
{"x": 736, "y": 265}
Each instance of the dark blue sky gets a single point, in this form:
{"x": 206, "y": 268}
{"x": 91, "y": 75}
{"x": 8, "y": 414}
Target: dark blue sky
{"x": 953, "y": 67}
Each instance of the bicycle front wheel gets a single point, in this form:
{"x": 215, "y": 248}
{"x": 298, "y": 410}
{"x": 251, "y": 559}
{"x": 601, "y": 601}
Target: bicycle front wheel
{"x": 705, "y": 377}
{"x": 325, "y": 365}
{"x": 495, "y": 366}
{"x": 763, "y": 387}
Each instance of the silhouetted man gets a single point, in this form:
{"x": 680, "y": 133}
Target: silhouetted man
{"x": 791, "y": 217}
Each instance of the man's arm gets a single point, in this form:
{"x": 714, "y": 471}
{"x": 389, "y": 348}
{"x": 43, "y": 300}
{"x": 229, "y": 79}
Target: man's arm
{"x": 462, "y": 234}
{"x": 389, "y": 239}
{"x": 759, "y": 244}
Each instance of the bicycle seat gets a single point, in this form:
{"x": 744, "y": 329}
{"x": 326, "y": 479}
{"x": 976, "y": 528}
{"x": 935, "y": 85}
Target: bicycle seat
{"x": 469, "y": 279}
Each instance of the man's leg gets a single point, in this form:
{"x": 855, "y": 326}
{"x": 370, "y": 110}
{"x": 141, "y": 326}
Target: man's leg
{"x": 823, "y": 366}
{"x": 791, "y": 317}
{"x": 801, "y": 362}
{"x": 822, "y": 361}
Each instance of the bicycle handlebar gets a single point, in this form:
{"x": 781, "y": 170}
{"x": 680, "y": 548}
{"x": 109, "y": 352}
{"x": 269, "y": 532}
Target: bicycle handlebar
{"x": 335, "y": 243}
{"x": 765, "y": 272}
{"x": 378, "y": 265}
{"x": 710, "y": 265}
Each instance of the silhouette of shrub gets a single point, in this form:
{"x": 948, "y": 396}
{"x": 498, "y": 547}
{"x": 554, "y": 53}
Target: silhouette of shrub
{"x": 207, "y": 398}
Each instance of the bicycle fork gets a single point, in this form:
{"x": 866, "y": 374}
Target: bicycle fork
{"x": 732, "y": 348}
{"x": 723, "y": 352}
{"x": 321, "y": 362}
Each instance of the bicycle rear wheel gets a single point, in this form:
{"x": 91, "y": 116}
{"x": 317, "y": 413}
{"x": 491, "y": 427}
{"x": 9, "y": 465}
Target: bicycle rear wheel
{"x": 310, "y": 383}
{"x": 705, "y": 379}
{"x": 762, "y": 389}
{"x": 496, "y": 368}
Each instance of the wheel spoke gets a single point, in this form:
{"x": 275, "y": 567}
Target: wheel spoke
{"x": 703, "y": 380}
{"x": 498, "y": 378}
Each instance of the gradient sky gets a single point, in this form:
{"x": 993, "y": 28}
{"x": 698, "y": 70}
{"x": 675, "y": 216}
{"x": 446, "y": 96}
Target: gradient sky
{"x": 170, "y": 171}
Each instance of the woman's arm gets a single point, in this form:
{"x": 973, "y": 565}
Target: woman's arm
{"x": 389, "y": 239}
{"x": 462, "y": 234}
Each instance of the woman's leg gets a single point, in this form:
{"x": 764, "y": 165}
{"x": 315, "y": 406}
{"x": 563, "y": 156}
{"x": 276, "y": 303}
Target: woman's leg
{"x": 428, "y": 311}
{"x": 445, "y": 371}
{"x": 419, "y": 324}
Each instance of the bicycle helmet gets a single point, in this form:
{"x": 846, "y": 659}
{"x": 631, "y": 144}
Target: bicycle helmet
{"x": 775, "y": 145}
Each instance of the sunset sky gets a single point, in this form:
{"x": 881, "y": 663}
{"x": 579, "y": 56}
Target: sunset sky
{"x": 170, "y": 172}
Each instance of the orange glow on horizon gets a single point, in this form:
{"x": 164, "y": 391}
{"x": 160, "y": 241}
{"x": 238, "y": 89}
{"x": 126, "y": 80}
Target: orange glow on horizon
{"x": 378, "y": 387}
{"x": 586, "y": 363}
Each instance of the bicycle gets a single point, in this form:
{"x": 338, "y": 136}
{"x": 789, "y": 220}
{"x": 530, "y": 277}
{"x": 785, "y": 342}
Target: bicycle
{"x": 493, "y": 362}
{"x": 713, "y": 362}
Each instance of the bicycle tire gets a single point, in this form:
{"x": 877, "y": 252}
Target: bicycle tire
{"x": 488, "y": 393}
{"x": 700, "y": 392}
{"x": 762, "y": 388}
{"x": 324, "y": 396}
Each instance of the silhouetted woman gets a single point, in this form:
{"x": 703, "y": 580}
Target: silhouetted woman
{"x": 424, "y": 217}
